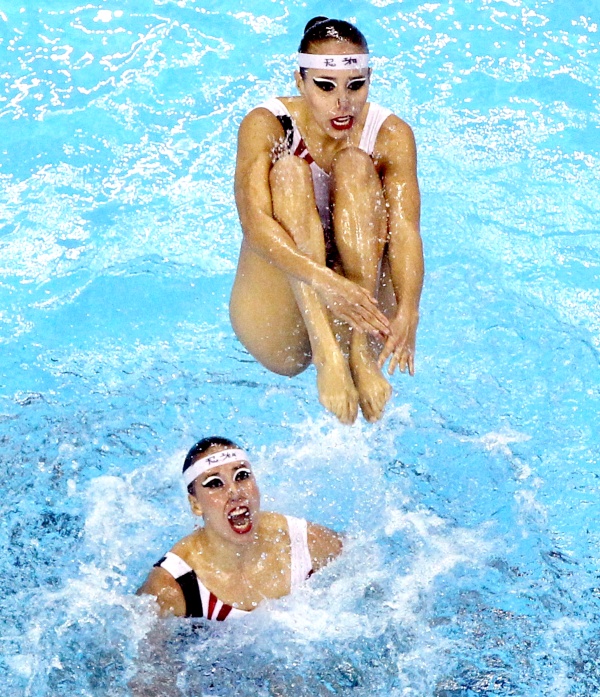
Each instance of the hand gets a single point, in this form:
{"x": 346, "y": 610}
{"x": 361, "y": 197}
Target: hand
{"x": 350, "y": 302}
{"x": 400, "y": 344}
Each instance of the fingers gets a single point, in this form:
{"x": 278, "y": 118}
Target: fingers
{"x": 363, "y": 314}
{"x": 374, "y": 324}
{"x": 373, "y": 316}
{"x": 385, "y": 353}
{"x": 401, "y": 358}
{"x": 355, "y": 305}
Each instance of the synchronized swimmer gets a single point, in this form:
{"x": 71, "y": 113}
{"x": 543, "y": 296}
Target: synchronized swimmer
{"x": 242, "y": 555}
{"x": 331, "y": 265}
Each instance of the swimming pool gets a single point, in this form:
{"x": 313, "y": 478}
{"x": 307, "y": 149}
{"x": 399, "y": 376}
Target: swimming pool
{"x": 472, "y": 507}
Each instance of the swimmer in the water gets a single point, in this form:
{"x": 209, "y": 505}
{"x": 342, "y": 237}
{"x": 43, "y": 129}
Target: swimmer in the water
{"x": 241, "y": 555}
{"x": 331, "y": 265}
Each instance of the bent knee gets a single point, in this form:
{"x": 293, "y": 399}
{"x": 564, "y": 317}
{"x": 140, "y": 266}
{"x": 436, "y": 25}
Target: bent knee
{"x": 290, "y": 171}
{"x": 353, "y": 162}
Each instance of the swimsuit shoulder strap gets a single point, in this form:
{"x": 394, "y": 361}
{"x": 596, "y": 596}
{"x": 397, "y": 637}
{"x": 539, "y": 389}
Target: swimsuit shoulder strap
{"x": 199, "y": 601}
{"x": 374, "y": 121}
{"x": 187, "y": 580}
{"x": 301, "y": 563}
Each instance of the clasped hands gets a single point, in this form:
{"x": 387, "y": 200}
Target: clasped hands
{"x": 353, "y": 304}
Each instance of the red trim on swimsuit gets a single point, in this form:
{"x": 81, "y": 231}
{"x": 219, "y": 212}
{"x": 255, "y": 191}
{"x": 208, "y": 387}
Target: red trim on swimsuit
{"x": 212, "y": 601}
{"x": 301, "y": 151}
{"x": 223, "y": 612}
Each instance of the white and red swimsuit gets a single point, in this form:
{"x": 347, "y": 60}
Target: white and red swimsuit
{"x": 295, "y": 146}
{"x": 200, "y": 602}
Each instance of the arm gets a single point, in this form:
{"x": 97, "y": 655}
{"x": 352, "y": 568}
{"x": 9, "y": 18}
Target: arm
{"x": 324, "y": 545}
{"x": 166, "y": 590}
{"x": 398, "y": 158}
{"x": 258, "y": 134}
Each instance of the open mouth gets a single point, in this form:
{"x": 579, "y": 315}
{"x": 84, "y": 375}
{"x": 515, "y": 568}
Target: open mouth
{"x": 342, "y": 123}
{"x": 239, "y": 519}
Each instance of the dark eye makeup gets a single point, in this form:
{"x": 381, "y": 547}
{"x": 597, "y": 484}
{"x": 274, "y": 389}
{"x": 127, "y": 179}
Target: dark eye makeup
{"x": 357, "y": 83}
{"x": 212, "y": 482}
{"x": 329, "y": 85}
{"x": 325, "y": 85}
{"x": 215, "y": 481}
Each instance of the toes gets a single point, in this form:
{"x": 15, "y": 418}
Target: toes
{"x": 370, "y": 413}
{"x": 349, "y": 408}
{"x": 373, "y": 405}
{"x": 344, "y": 408}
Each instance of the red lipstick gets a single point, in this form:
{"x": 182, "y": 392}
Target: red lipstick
{"x": 342, "y": 123}
{"x": 240, "y": 520}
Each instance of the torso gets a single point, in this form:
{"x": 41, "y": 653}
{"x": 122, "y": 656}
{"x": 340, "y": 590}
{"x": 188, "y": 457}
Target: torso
{"x": 264, "y": 575}
{"x": 310, "y": 144}
{"x": 268, "y": 576}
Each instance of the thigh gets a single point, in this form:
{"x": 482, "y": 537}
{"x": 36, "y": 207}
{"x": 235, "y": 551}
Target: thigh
{"x": 265, "y": 316}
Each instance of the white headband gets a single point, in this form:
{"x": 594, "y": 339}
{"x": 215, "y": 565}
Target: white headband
{"x": 318, "y": 61}
{"x": 209, "y": 461}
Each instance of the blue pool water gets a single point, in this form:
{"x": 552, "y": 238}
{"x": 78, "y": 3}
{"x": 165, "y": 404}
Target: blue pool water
{"x": 472, "y": 513}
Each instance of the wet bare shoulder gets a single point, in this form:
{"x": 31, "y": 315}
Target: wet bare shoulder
{"x": 260, "y": 128}
{"x": 395, "y": 146}
{"x": 166, "y": 590}
{"x": 324, "y": 545}
{"x": 394, "y": 131}
{"x": 188, "y": 545}
{"x": 273, "y": 525}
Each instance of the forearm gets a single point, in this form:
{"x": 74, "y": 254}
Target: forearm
{"x": 267, "y": 238}
{"x": 405, "y": 254}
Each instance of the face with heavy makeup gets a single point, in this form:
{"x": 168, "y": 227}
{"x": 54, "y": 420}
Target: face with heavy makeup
{"x": 335, "y": 98}
{"x": 228, "y": 499}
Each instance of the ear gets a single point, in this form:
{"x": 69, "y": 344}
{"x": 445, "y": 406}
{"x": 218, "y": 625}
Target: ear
{"x": 195, "y": 505}
{"x": 299, "y": 82}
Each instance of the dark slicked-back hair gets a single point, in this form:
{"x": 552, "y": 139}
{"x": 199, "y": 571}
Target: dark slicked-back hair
{"x": 323, "y": 29}
{"x": 197, "y": 450}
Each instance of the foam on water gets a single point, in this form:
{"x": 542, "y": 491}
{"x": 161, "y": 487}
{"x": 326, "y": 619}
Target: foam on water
{"x": 470, "y": 509}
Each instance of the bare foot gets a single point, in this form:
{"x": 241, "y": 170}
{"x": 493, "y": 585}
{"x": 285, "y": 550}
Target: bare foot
{"x": 336, "y": 388}
{"x": 374, "y": 390}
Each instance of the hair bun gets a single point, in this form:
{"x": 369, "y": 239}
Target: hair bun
{"x": 327, "y": 29}
{"x": 314, "y": 21}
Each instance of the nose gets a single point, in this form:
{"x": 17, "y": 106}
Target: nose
{"x": 233, "y": 490}
{"x": 342, "y": 100}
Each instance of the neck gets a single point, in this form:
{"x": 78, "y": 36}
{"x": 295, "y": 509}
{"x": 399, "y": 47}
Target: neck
{"x": 321, "y": 141}
{"x": 228, "y": 556}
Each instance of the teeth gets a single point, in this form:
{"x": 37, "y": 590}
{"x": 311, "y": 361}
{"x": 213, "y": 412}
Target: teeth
{"x": 240, "y": 510}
